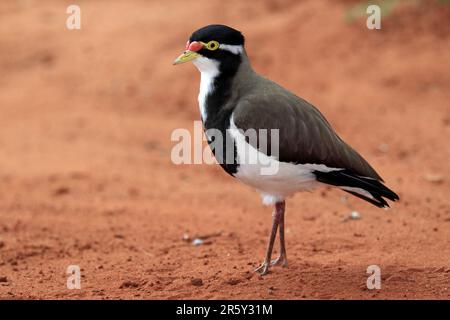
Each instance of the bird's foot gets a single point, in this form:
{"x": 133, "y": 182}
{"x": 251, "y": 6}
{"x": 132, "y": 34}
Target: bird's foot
{"x": 280, "y": 261}
{"x": 263, "y": 269}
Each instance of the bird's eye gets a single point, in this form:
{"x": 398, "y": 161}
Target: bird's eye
{"x": 212, "y": 45}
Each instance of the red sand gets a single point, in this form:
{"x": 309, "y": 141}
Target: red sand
{"x": 86, "y": 176}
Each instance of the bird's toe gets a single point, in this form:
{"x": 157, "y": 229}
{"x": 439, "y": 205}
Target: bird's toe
{"x": 280, "y": 261}
{"x": 263, "y": 269}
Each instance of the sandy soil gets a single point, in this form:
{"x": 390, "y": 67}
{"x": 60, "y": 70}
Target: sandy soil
{"x": 86, "y": 177}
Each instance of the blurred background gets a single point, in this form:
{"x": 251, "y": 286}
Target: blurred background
{"x": 85, "y": 170}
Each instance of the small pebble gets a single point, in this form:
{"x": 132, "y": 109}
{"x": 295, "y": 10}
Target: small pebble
{"x": 197, "y": 242}
{"x": 186, "y": 237}
{"x": 233, "y": 281}
{"x": 354, "y": 215}
{"x": 434, "y": 178}
{"x": 129, "y": 284}
{"x": 383, "y": 147}
{"x": 197, "y": 282}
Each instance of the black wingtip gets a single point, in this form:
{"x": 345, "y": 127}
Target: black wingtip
{"x": 343, "y": 178}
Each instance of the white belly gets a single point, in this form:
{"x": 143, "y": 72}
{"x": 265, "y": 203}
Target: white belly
{"x": 288, "y": 180}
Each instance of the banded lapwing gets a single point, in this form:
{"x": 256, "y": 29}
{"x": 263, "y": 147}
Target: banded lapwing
{"x": 233, "y": 98}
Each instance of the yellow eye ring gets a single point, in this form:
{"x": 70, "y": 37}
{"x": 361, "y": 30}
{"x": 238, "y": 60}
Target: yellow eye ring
{"x": 211, "y": 45}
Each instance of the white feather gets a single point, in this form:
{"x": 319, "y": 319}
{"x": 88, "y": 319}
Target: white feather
{"x": 359, "y": 191}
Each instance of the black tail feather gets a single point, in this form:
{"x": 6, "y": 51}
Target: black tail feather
{"x": 346, "y": 179}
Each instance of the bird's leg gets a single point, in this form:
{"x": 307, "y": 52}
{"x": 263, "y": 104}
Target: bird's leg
{"x": 277, "y": 214}
{"x": 282, "y": 258}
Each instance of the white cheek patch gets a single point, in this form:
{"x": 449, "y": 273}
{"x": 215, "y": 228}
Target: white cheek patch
{"x": 206, "y": 65}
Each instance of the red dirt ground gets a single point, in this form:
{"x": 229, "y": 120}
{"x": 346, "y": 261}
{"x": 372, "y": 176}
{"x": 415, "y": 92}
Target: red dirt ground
{"x": 86, "y": 176}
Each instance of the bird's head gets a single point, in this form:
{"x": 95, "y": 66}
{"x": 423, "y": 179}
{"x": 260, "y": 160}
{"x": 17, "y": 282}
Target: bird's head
{"x": 213, "y": 45}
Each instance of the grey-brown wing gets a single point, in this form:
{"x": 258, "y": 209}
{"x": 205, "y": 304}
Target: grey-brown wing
{"x": 304, "y": 134}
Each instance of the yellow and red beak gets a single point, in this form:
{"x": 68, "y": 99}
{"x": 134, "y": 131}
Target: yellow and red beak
{"x": 190, "y": 53}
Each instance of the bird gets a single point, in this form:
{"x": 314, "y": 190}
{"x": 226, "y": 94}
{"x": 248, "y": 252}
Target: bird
{"x": 306, "y": 154}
